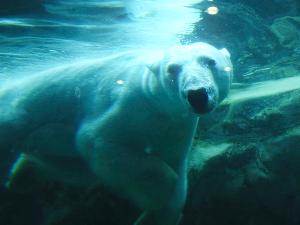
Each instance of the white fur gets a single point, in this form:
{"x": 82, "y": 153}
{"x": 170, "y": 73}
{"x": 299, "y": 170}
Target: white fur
{"x": 126, "y": 115}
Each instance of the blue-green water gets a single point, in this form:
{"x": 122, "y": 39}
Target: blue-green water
{"x": 243, "y": 167}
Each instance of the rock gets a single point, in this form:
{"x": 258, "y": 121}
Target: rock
{"x": 287, "y": 31}
{"x": 248, "y": 183}
{"x": 271, "y": 9}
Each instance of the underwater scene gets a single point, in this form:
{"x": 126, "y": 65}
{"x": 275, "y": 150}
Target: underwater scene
{"x": 149, "y": 112}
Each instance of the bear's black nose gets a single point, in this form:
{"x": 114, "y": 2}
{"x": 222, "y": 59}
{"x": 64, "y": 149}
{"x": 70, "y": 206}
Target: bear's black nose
{"x": 198, "y": 99}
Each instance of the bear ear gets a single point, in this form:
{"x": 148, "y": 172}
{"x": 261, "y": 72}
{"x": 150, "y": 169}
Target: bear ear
{"x": 225, "y": 52}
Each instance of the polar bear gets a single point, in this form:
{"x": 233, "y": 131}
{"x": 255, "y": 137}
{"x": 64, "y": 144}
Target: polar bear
{"x": 129, "y": 119}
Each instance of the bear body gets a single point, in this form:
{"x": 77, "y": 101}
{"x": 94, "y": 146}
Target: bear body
{"x": 130, "y": 118}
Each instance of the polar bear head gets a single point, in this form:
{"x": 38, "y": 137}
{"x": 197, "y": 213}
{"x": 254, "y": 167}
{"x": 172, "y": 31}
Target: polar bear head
{"x": 198, "y": 74}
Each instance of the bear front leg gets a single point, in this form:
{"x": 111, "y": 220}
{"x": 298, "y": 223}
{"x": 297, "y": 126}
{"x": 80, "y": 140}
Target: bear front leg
{"x": 143, "y": 178}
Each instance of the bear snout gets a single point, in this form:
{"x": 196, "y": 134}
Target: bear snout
{"x": 199, "y": 100}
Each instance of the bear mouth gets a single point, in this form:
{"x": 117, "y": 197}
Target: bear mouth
{"x": 199, "y": 101}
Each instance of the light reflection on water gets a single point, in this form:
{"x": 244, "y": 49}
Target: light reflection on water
{"x": 90, "y": 29}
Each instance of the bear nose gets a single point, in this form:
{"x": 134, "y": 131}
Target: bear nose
{"x": 198, "y": 99}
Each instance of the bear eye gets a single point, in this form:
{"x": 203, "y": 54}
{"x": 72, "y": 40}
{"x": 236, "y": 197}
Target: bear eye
{"x": 207, "y": 62}
{"x": 174, "y": 69}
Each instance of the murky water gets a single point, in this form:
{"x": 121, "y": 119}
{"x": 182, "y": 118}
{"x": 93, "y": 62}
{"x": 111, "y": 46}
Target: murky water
{"x": 244, "y": 157}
